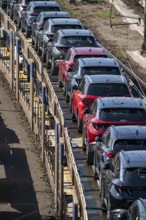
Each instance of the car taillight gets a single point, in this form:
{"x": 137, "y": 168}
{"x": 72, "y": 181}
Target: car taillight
{"x": 23, "y": 6}
{"x": 99, "y": 127}
{"x": 87, "y": 101}
{"x": 33, "y": 14}
{"x": 39, "y": 25}
{"x": 110, "y": 154}
{"x": 61, "y": 49}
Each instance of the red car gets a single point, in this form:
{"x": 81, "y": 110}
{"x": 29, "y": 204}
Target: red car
{"x": 72, "y": 55}
{"x": 92, "y": 87}
{"x": 111, "y": 111}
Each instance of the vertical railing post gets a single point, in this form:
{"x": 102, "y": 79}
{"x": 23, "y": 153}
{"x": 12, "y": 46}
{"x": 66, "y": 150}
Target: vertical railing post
{"x": 61, "y": 179}
{"x": 11, "y": 58}
{"x": 75, "y": 208}
{"x": 31, "y": 69}
{"x": 43, "y": 120}
{"x": 56, "y": 164}
{"x": 17, "y": 67}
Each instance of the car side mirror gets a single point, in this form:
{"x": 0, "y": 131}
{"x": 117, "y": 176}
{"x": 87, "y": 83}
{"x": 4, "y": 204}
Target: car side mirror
{"x": 86, "y": 111}
{"x": 75, "y": 87}
{"x": 119, "y": 214}
{"x": 106, "y": 166}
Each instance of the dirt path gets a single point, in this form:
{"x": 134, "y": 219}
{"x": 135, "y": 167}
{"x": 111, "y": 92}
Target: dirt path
{"x": 24, "y": 191}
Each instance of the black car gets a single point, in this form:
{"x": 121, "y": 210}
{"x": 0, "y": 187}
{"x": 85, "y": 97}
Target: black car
{"x": 137, "y": 211}
{"x": 39, "y": 27}
{"x": 90, "y": 66}
{"x": 63, "y": 40}
{"x": 116, "y": 138}
{"x": 124, "y": 181}
{"x": 32, "y": 11}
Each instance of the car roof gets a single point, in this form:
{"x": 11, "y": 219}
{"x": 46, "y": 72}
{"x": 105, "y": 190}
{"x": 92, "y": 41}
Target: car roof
{"x": 133, "y": 159}
{"x": 65, "y": 21}
{"x": 128, "y": 132}
{"x": 121, "y": 102}
{"x": 42, "y": 3}
{"x": 88, "y": 50}
{"x": 74, "y": 32}
{"x": 92, "y": 79}
{"x": 55, "y": 13}
{"x": 95, "y": 61}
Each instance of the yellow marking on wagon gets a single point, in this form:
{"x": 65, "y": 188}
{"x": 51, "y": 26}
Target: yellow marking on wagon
{"x": 68, "y": 187}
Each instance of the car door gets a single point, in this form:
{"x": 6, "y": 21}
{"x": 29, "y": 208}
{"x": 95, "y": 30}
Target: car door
{"x": 87, "y": 118}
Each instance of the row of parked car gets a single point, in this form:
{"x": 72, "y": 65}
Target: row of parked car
{"x": 103, "y": 101}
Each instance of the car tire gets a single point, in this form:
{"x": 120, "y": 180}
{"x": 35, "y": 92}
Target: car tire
{"x": 109, "y": 217}
{"x": 73, "y": 117}
{"x": 79, "y": 125}
{"x": 59, "y": 82}
{"x": 67, "y": 96}
{"x": 102, "y": 198}
{"x": 94, "y": 170}
{"x": 83, "y": 143}
{"x": 89, "y": 157}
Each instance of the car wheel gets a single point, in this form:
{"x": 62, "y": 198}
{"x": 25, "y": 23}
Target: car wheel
{"x": 53, "y": 68}
{"x": 67, "y": 96}
{"x": 102, "y": 197}
{"x": 109, "y": 210}
{"x": 89, "y": 156}
{"x": 94, "y": 168}
{"x": 79, "y": 125}
{"x": 59, "y": 82}
{"x": 84, "y": 143}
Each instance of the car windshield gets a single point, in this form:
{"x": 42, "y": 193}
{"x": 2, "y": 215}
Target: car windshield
{"x": 135, "y": 176}
{"x": 65, "y": 26}
{"x": 108, "y": 89}
{"x": 78, "y": 41}
{"x": 39, "y": 9}
{"x": 100, "y": 70}
{"x": 123, "y": 114}
{"x": 88, "y": 55}
{"x": 127, "y": 145}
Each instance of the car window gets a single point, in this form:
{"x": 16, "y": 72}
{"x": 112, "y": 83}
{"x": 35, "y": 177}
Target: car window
{"x": 64, "y": 26}
{"x": 135, "y": 177}
{"x": 93, "y": 108}
{"x": 117, "y": 167}
{"x": 76, "y": 67}
{"x": 77, "y": 41}
{"x": 105, "y": 136}
{"x": 38, "y": 18}
{"x": 100, "y": 71}
{"x": 68, "y": 55}
{"x": 123, "y": 114}
{"x": 82, "y": 85}
{"x": 45, "y": 8}
{"x": 108, "y": 89}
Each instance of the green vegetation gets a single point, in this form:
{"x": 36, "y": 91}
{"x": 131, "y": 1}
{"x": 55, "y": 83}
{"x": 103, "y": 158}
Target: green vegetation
{"x": 119, "y": 53}
{"x": 106, "y": 14}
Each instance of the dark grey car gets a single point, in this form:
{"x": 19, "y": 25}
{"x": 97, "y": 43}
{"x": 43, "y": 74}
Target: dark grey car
{"x": 63, "y": 40}
{"x": 32, "y": 11}
{"x": 38, "y": 27}
{"x": 90, "y": 66}
{"x": 51, "y": 26}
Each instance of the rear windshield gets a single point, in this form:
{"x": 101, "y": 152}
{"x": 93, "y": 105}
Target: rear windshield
{"x": 135, "y": 177}
{"x": 127, "y": 145}
{"x": 39, "y": 9}
{"x": 57, "y": 27}
{"x": 88, "y": 55}
{"x": 100, "y": 71}
{"x": 123, "y": 114}
{"x": 78, "y": 41}
{"x": 108, "y": 89}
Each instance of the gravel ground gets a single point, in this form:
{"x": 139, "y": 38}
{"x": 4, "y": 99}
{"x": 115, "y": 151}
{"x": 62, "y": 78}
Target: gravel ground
{"x": 25, "y": 192}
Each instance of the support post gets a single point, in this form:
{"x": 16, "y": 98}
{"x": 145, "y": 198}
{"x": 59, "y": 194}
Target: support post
{"x": 11, "y": 59}
{"x": 56, "y": 164}
{"x": 17, "y": 67}
{"x": 31, "y": 69}
{"x": 75, "y": 208}
{"x": 61, "y": 180}
{"x": 43, "y": 120}
{"x": 144, "y": 42}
